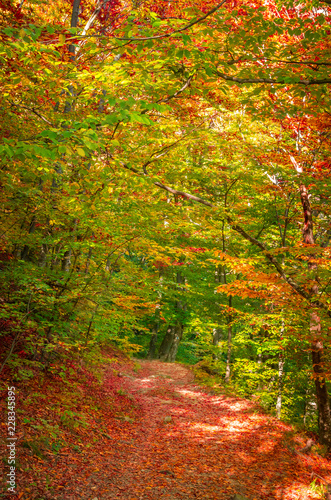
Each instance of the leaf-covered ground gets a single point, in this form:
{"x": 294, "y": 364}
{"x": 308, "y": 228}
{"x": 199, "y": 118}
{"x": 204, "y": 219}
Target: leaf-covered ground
{"x": 151, "y": 433}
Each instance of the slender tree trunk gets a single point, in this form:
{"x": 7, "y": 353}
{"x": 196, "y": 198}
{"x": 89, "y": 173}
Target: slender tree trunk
{"x": 281, "y": 363}
{"x": 310, "y": 404}
{"x": 26, "y": 250}
{"x": 217, "y": 334}
{"x": 152, "y": 344}
{"x": 170, "y": 343}
{"x": 178, "y": 334}
{"x": 88, "y": 333}
{"x": 43, "y": 255}
{"x": 229, "y": 318}
{"x": 55, "y": 260}
{"x": 66, "y": 261}
{"x": 88, "y": 260}
{"x": 228, "y": 355}
{"x": 108, "y": 265}
{"x": 259, "y": 362}
{"x": 73, "y": 24}
{"x": 323, "y": 403}
{"x": 229, "y": 321}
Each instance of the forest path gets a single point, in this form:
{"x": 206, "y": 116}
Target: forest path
{"x": 177, "y": 441}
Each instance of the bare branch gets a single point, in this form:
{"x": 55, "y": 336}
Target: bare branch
{"x": 188, "y": 196}
{"x": 34, "y": 112}
{"x": 187, "y": 83}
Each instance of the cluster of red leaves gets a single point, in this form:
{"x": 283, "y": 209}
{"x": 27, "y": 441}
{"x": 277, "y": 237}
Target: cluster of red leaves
{"x": 109, "y": 11}
{"x": 12, "y": 11}
{"x": 197, "y": 250}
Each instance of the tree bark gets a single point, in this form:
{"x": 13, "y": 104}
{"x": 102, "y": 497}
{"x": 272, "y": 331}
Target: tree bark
{"x": 217, "y": 335}
{"x": 43, "y": 255}
{"x": 88, "y": 260}
{"x": 228, "y": 354}
{"x": 322, "y": 396}
{"x": 217, "y": 332}
{"x": 170, "y": 343}
{"x": 166, "y": 343}
{"x": 317, "y": 347}
{"x": 66, "y": 261}
{"x": 281, "y": 363}
{"x": 229, "y": 325}
{"x": 178, "y": 334}
{"x": 152, "y": 344}
{"x": 25, "y": 255}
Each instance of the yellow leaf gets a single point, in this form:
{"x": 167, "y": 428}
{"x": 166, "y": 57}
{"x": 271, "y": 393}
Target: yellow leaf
{"x": 81, "y": 152}
{"x": 62, "y": 39}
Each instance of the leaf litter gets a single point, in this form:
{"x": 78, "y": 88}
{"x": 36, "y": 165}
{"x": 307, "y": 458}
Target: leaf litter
{"x": 153, "y": 434}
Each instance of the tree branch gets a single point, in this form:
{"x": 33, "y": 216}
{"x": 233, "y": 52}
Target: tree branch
{"x": 270, "y": 80}
{"x": 188, "y": 196}
{"x": 293, "y": 284}
{"x": 187, "y": 83}
{"x": 166, "y": 35}
{"x": 33, "y": 111}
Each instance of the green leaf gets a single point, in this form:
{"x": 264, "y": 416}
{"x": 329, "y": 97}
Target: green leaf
{"x": 186, "y": 39}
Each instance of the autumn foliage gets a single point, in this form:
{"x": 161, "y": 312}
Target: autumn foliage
{"x": 165, "y": 188}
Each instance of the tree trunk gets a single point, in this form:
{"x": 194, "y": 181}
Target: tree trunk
{"x": 281, "y": 363}
{"x": 166, "y": 343}
{"x": 322, "y": 396}
{"x": 26, "y": 250}
{"x": 152, "y": 344}
{"x": 228, "y": 355}
{"x": 178, "y": 334}
{"x": 66, "y": 261}
{"x": 323, "y": 403}
{"x": 88, "y": 260}
{"x": 229, "y": 351}
{"x": 169, "y": 347}
{"x": 170, "y": 343}
{"x": 259, "y": 363}
{"x": 217, "y": 334}
{"x": 43, "y": 256}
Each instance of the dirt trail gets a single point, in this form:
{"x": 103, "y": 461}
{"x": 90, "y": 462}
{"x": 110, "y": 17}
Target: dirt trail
{"x": 180, "y": 442}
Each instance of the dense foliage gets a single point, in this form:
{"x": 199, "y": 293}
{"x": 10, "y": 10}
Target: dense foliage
{"x": 165, "y": 185}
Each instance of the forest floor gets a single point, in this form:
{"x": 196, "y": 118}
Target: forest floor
{"x": 149, "y": 432}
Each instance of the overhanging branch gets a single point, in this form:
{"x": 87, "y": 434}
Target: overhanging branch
{"x": 166, "y": 35}
{"x": 271, "y": 80}
{"x": 293, "y": 284}
{"x": 188, "y": 196}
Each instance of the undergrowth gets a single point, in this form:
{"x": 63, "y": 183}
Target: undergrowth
{"x": 60, "y": 411}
